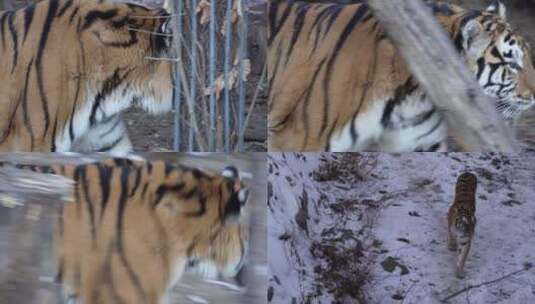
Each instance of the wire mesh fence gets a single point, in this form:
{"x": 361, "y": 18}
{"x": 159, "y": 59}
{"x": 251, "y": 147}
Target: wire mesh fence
{"x": 213, "y": 94}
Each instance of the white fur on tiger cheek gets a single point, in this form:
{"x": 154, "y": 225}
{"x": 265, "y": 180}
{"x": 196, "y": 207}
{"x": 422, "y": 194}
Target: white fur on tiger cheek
{"x": 162, "y": 101}
{"x": 154, "y": 106}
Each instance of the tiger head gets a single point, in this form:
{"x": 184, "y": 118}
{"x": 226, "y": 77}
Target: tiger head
{"x": 466, "y": 182}
{"x": 225, "y": 252}
{"x": 127, "y": 52}
{"x": 216, "y": 225}
{"x": 500, "y": 58}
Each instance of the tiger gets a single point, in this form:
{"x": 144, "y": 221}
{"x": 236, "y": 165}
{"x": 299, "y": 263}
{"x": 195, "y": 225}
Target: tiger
{"x": 462, "y": 219}
{"x": 134, "y": 226}
{"x": 337, "y": 83}
{"x": 69, "y": 68}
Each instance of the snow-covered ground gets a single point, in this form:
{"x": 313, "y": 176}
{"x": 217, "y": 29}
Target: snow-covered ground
{"x": 377, "y": 233}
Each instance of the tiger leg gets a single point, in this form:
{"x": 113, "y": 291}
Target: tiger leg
{"x": 452, "y": 240}
{"x": 108, "y": 135}
{"x": 463, "y": 253}
{"x": 414, "y": 125}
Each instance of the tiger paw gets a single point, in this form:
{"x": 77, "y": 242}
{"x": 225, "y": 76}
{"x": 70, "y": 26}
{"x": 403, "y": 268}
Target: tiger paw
{"x": 460, "y": 274}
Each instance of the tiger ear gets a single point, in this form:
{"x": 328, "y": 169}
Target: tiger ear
{"x": 475, "y": 38}
{"x": 235, "y": 205}
{"x": 230, "y": 172}
{"x": 497, "y": 8}
{"x": 168, "y": 5}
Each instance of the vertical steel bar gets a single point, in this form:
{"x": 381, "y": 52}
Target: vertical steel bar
{"x": 242, "y": 88}
{"x": 193, "y": 72}
{"x": 177, "y": 90}
{"x": 226, "y": 71}
{"x": 212, "y": 133}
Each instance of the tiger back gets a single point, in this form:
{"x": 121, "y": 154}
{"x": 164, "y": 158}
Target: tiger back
{"x": 337, "y": 83}
{"x": 135, "y": 226}
{"x": 462, "y": 219}
{"x": 70, "y": 67}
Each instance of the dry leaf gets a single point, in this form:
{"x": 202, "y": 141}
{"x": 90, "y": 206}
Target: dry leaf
{"x": 204, "y": 9}
{"x": 234, "y": 73}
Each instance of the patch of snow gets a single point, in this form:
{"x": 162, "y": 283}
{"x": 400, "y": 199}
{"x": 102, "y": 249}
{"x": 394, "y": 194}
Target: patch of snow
{"x": 403, "y": 203}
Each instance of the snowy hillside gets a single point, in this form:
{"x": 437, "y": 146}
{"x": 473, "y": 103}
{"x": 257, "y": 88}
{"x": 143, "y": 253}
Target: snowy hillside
{"x": 372, "y": 228}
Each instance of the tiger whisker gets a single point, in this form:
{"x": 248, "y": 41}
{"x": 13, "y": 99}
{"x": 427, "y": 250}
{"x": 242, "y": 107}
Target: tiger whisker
{"x": 162, "y": 59}
{"x": 158, "y": 17}
{"x": 149, "y": 32}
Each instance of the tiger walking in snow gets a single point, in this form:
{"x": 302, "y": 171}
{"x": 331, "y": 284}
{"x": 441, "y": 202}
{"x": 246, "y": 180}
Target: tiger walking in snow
{"x": 462, "y": 219}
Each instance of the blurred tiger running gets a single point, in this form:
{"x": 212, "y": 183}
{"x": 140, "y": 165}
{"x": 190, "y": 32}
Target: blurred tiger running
{"x": 134, "y": 227}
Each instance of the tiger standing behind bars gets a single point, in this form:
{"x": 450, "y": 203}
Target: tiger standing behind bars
{"x": 462, "y": 219}
{"x": 134, "y": 227}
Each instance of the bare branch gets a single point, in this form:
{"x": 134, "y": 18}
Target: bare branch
{"x": 467, "y": 288}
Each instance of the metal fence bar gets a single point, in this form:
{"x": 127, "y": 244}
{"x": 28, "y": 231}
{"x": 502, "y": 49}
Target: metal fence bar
{"x": 213, "y": 63}
{"x": 242, "y": 56}
{"x": 213, "y": 115}
{"x": 178, "y": 9}
{"x": 228, "y": 41}
{"x": 193, "y": 66}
